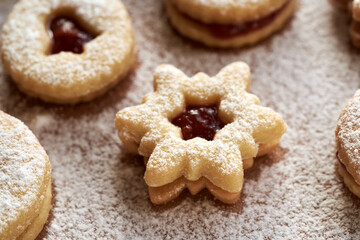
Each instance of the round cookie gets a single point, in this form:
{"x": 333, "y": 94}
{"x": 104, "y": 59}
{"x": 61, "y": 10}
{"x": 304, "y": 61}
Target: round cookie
{"x": 25, "y": 181}
{"x": 68, "y": 77}
{"x": 229, "y": 23}
{"x": 348, "y": 144}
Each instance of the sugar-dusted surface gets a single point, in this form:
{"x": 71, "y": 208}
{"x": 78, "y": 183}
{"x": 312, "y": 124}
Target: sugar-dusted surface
{"x": 348, "y": 135}
{"x": 307, "y": 72}
{"x": 148, "y": 127}
{"x": 227, "y": 11}
{"x": 23, "y": 170}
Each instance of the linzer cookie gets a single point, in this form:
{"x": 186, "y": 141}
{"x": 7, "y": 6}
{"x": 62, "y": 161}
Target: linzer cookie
{"x": 199, "y": 132}
{"x": 229, "y": 23}
{"x": 67, "y": 51}
{"x": 348, "y": 144}
{"x": 25, "y": 181}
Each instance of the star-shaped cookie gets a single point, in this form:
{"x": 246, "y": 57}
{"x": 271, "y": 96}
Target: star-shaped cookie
{"x": 173, "y": 163}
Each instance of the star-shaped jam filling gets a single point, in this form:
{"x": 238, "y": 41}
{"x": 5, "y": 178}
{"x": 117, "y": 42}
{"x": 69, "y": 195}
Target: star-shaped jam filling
{"x": 200, "y": 127}
{"x": 197, "y": 121}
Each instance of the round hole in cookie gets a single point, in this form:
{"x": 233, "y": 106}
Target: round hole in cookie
{"x": 67, "y": 33}
{"x": 199, "y": 121}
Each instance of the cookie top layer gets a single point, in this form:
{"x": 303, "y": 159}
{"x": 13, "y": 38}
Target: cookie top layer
{"x": 348, "y": 136}
{"x": 24, "y": 176}
{"x": 65, "y": 76}
{"x": 227, "y": 11}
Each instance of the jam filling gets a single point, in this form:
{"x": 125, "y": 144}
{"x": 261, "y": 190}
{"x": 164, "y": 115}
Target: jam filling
{"x": 197, "y": 121}
{"x": 225, "y": 31}
{"x": 68, "y": 36}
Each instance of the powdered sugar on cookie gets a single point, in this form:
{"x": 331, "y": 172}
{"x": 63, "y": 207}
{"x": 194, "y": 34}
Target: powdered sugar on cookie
{"x": 23, "y": 168}
{"x": 220, "y": 161}
{"x": 66, "y": 76}
{"x": 349, "y": 131}
{"x": 227, "y": 11}
{"x": 306, "y": 73}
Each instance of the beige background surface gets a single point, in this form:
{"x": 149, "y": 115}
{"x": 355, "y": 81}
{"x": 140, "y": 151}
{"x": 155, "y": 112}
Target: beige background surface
{"x": 306, "y": 72}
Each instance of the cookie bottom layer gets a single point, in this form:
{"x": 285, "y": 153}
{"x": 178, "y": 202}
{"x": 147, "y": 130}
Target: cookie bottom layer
{"x": 263, "y": 150}
{"x": 33, "y": 230}
{"x": 168, "y": 192}
{"x": 200, "y": 33}
{"x": 349, "y": 180}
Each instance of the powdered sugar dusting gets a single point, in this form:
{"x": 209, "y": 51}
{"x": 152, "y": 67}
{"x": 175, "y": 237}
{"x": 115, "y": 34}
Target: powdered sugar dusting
{"x": 307, "y": 72}
{"x": 349, "y": 131}
{"x": 170, "y": 157}
{"x": 22, "y": 170}
{"x": 25, "y": 47}
{"x": 231, "y": 3}
{"x": 227, "y": 11}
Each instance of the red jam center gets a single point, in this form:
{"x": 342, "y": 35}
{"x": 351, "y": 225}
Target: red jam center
{"x": 226, "y": 31}
{"x": 68, "y": 36}
{"x": 201, "y": 122}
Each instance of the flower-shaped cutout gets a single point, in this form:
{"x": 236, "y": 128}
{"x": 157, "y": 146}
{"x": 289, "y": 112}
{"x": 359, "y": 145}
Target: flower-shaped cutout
{"x": 250, "y": 130}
